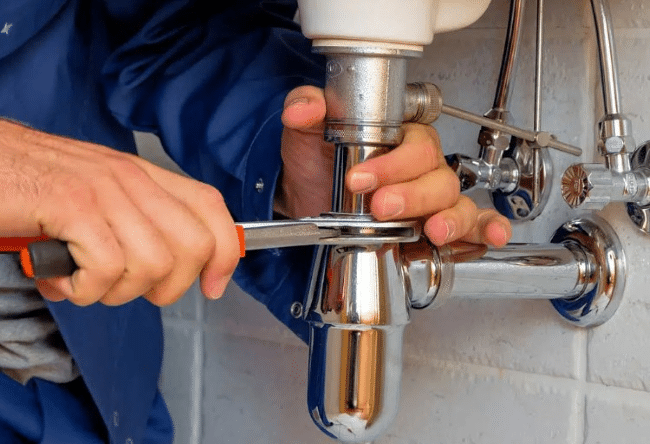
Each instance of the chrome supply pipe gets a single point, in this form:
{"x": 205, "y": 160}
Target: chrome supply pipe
{"x": 493, "y": 143}
{"x": 507, "y": 72}
{"x": 607, "y": 54}
{"x": 487, "y": 170}
{"x": 539, "y": 62}
{"x": 511, "y": 162}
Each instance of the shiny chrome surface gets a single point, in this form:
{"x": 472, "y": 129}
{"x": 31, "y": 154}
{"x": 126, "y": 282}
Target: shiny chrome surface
{"x": 582, "y": 272}
{"x": 539, "y": 63}
{"x": 507, "y": 72}
{"x": 357, "y": 316}
{"x": 346, "y": 156}
{"x": 600, "y": 242}
{"x": 357, "y": 306}
{"x": 364, "y": 91}
{"x": 423, "y": 103}
{"x": 529, "y": 194}
{"x": 615, "y": 138}
{"x": 640, "y": 212}
{"x": 517, "y": 271}
{"x": 543, "y": 139}
{"x": 592, "y": 186}
{"x": 493, "y": 141}
{"x": 354, "y": 381}
{"x": 607, "y": 52}
{"x": 524, "y": 271}
{"x": 328, "y": 229}
{"x": 360, "y": 295}
{"x": 476, "y": 173}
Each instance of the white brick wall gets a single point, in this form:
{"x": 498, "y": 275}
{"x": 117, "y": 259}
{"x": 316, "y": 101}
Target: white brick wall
{"x": 475, "y": 371}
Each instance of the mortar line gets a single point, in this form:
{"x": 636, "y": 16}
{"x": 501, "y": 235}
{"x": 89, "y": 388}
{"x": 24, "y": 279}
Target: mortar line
{"x": 579, "y": 420}
{"x": 199, "y": 362}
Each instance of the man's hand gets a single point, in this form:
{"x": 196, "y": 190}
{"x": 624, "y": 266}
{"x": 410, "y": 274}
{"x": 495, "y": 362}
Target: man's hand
{"x": 132, "y": 228}
{"x": 411, "y": 181}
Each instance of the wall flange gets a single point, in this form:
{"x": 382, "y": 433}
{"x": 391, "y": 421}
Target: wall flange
{"x": 595, "y": 236}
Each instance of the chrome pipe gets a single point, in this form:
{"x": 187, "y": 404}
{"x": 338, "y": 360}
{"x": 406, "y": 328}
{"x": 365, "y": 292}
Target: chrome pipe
{"x": 539, "y": 60}
{"x": 582, "y": 271}
{"x": 524, "y": 272}
{"x": 357, "y": 319}
{"x": 357, "y": 306}
{"x": 516, "y": 271}
{"x": 346, "y": 156}
{"x": 589, "y": 185}
{"x": 492, "y": 141}
{"x": 607, "y": 54}
{"x": 510, "y": 50}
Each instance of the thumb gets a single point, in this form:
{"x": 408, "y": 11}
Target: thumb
{"x": 304, "y": 109}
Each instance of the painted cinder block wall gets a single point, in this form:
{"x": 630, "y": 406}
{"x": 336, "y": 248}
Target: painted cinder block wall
{"x": 474, "y": 371}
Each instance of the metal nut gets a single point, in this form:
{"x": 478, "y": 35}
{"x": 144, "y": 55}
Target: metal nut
{"x": 614, "y": 145}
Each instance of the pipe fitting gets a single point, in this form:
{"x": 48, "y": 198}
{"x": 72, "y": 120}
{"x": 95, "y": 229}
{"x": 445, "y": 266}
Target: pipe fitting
{"x": 476, "y": 173}
{"x": 582, "y": 272}
{"x": 423, "y": 103}
{"x": 593, "y": 186}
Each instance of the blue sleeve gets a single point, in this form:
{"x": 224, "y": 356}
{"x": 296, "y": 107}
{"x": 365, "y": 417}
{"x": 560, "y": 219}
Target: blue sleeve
{"x": 209, "y": 78}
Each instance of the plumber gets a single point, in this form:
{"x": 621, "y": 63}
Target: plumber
{"x": 220, "y": 84}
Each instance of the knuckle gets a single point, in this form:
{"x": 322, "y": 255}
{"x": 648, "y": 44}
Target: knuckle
{"x": 432, "y": 153}
{"x": 152, "y": 268}
{"x": 162, "y": 298}
{"x": 82, "y": 299}
{"x": 210, "y": 196}
{"x": 115, "y": 299}
{"x": 151, "y": 265}
{"x": 109, "y": 273}
{"x": 228, "y": 258}
{"x": 122, "y": 165}
{"x": 451, "y": 182}
{"x": 196, "y": 247}
{"x": 433, "y": 134}
{"x": 231, "y": 262}
{"x": 204, "y": 246}
{"x": 75, "y": 192}
{"x": 468, "y": 205}
{"x": 163, "y": 266}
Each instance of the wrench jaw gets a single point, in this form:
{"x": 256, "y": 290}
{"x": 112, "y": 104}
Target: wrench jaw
{"x": 328, "y": 229}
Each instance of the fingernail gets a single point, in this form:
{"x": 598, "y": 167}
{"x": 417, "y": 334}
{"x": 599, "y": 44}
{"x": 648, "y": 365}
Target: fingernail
{"x": 362, "y": 182}
{"x": 500, "y": 233}
{"x": 451, "y": 230}
{"x": 218, "y": 288}
{"x": 393, "y": 205}
{"x": 301, "y": 100}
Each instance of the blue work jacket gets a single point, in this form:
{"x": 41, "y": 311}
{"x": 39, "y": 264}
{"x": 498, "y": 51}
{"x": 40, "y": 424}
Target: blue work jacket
{"x": 209, "y": 78}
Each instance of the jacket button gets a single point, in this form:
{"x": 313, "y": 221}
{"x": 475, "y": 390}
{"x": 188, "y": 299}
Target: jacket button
{"x": 116, "y": 419}
{"x": 259, "y": 186}
{"x": 128, "y": 441}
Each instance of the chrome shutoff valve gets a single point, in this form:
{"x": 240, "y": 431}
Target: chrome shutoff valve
{"x": 593, "y": 186}
{"x": 640, "y": 212}
{"x": 587, "y": 186}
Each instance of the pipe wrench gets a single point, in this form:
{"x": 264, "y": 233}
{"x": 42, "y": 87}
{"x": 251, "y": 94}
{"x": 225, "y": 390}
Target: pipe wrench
{"x": 42, "y": 257}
